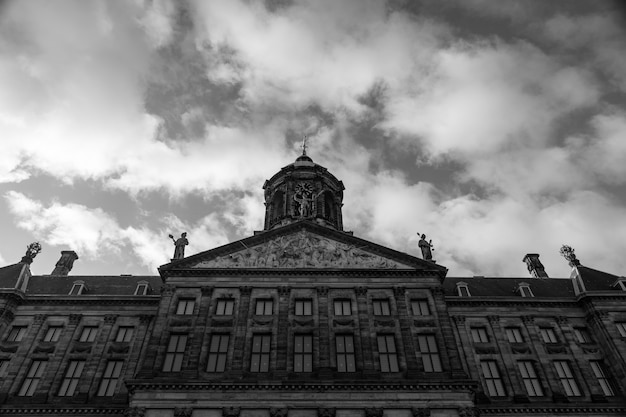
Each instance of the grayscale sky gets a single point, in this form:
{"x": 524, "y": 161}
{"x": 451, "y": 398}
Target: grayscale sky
{"x": 498, "y": 128}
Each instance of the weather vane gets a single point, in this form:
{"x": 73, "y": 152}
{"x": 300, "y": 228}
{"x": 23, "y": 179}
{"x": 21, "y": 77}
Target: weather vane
{"x": 304, "y": 139}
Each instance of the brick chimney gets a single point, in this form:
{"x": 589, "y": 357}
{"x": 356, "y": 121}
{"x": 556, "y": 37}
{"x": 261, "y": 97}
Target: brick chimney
{"x": 535, "y": 267}
{"x": 64, "y": 265}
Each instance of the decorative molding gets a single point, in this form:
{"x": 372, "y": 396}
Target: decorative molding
{"x": 135, "y": 412}
{"x": 284, "y": 290}
{"x": 278, "y": 412}
{"x": 493, "y": 318}
{"x": 360, "y": 291}
{"x": 231, "y": 411}
{"x": 9, "y": 348}
{"x": 426, "y": 323}
{"x": 51, "y": 410}
{"x": 562, "y": 320}
{"x": 168, "y": 290}
{"x": 399, "y": 291}
{"x": 75, "y": 318}
{"x": 207, "y": 290}
{"x": 519, "y": 348}
{"x": 221, "y": 322}
{"x": 180, "y": 322}
{"x": 485, "y": 350}
{"x": 245, "y": 290}
{"x": 262, "y": 321}
{"x": 82, "y": 347}
{"x": 590, "y": 349}
{"x": 119, "y": 347}
{"x": 528, "y": 319}
{"x": 44, "y": 348}
{"x": 303, "y": 322}
{"x": 555, "y": 348}
{"x": 326, "y": 412}
{"x": 420, "y": 412}
{"x": 322, "y": 290}
{"x": 343, "y": 322}
{"x": 40, "y": 318}
{"x": 458, "y": 319}
{"x": 6, "y": 315}
{"x": 374, "y": 412}
{"x": 437, "y": 291}
{"x": 183, "y": 411}
{"x": 385, "y": 323}
{"x": 145, "y": 318}
{"x": 110, "y": 318}
{"x": 469, "y": 412}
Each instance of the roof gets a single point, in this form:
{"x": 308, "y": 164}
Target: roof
{"x": 505, "y": 287}
{"x": 9, "y": 275}
{"x": 96, "y": 285}
{"x": 595, "y": 280}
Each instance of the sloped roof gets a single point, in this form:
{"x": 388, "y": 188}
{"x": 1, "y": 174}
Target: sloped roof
{"x": 595, "y": 280}
{"x": 505, "y": 287}
{"x": 96, "y": 284}
{"x": 9, "y": 275}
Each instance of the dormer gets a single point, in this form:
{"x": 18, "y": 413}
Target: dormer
{"x": 523, "y": 289}
{"x": 620, "y": 284}
{"x": 142, "y": 288}
{"x": 462, "y": 289}
{"x": 78, "y": 288}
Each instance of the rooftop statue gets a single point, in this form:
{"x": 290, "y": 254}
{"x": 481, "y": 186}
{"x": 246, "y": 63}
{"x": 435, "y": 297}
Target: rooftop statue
{"x": 179, "y": 245}
{"x": 32, "y": 250}
{"x": 426, "y": 247}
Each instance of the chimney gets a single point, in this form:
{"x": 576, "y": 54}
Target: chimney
{"x": 64, "y": 266}
{"x": 535, "y": 267}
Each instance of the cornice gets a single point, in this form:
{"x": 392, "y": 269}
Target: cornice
{"x": 505, "y": 301}
{"x": 57, "y": 299}
{"x": 306, "y": 272}
{"x": 554, "y": 410}
{"x": 57, "y": 411}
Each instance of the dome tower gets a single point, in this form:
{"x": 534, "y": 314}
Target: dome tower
{"x": 303, "y": 190}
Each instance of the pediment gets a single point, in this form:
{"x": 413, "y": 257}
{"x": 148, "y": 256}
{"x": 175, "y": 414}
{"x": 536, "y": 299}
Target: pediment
{"x": 305, "y": 245}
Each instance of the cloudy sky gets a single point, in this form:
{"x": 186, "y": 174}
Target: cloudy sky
{"x": 498, "y": 128}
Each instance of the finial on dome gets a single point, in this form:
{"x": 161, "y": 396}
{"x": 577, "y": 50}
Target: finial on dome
{"x": 304, "y": 139}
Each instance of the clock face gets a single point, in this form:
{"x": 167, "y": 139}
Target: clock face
{"x": 304, "y": 188}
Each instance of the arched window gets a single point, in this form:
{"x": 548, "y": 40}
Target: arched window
{"x": 462, "y": 289}
{"x": 524, "y": 290}
{"x": 278, "y": 205}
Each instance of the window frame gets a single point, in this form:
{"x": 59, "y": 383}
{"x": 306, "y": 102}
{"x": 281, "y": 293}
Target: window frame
{"x": 188, "y": 306}
{"x": 4, "y": 365}
{"x": 600, "y": 372}
{"x": 306, "y": 304}
{"x": 33, "y": 377}
{"x": 303, "y": 352}
{"x": 479, "y": 335}
{"x": 345, "y": 357}
{"x": 429, "y": 351}
{"x": 261, "y": 352}
{"x": 582, "y": 335}
{"x": 88, "y": 333}
{"x": 81, "y": 288}
{"x": 53, "y": 333}
{"x": 224, "y": 305}
{"x": 175, "y": 352}
{"x": 621, "y": 328}
{"x": 340, "y": 305}
{"x": 17, "y": 333}
{"x": 263, "y": 305}
{"x": 110, "y": 378}
{"x": 525, "y": 291}
{"x": 125, "y": 333}
{"x": 145, "y": 286}
{"x": 530, "y": 378}
{"x": 218, "y": 353}
{"x": 566, "y": 376}
{"x": 514, "y": 335}
{"x": 460, "y": 286}
{"x": 493, "y": 378}
{"x": 423, "y": 308}
{"x": 548, "y": 335}
{"x": 387, "y": 353}
{"x": 70, "y": 380}
{"x": 381, "y": 307}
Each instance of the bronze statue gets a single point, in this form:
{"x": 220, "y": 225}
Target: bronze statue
{"x": 179, "y": 245}
{"x": 426, "y": 247}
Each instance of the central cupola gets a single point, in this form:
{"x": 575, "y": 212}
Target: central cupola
{"x": 303, "y": 190}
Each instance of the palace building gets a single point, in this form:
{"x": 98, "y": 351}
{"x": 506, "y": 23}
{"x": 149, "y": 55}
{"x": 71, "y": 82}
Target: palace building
{"x": 303, "y": 319}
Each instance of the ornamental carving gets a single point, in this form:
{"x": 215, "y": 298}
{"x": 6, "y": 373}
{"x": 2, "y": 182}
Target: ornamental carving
{"x": 40, "y": 318}
{"x": 458, "y": 319}
{"x": 301, "y": 250}
{"x": 110, "y": 318}
{"x": 424, "y": 323}
{"x": 231, "y": 411}
{"x": 322, "y": 291}
{"x": 278, "y": 412}
{"x": 6, "y": 315}
{"x": 374, "y": 412}
{"x": 343, "y": 322}
{"x": 284, "y": 290}
{"x": 303, "y": 322}
{"x": 9, "y": 348}
{"x": 469, "y": 412}
{"x": 258, "y": 321}
{"x": 168, "y": 289}
{"x": 326, "y": 412}
{"x": 399, "y": 291}
{"x": 145, "y": 318}
{"x": 75, "y": 318}
{"x": 562, "y": 320}
{"x": 519, "y": 348}
{"x": 493, "y": 319}
{"x": 385, "y": 323}
{"x": 44, "y": 348}
{"x": 420, "y": 412}
{"x": 135, "y": 412}
{"x": 555, "y": 349}
{"x": 119, "y": 347}
{"x": 245, "y": 290}
{"x": 528, "y": 319}
{"x": 206, "y": 290}
{"x": 361, "y": 291}
{"x": 183, "y": 411}
{"x": 220, "y": 322}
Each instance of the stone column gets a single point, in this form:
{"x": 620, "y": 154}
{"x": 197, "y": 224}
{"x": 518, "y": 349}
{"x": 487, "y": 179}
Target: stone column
{"x": 451, "y": 349}
{"x": 198, "y": 342}
{"x": 240, "y": 329}
{"x": 323, "y": 333}
{"x": 408, "y": 341}
{"x": 284, "y": 332}
{"x": 158, "y": 342}
{"x": 365, "y": 333}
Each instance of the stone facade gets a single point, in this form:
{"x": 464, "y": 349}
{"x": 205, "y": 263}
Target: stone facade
{"x": 325, "y": 325}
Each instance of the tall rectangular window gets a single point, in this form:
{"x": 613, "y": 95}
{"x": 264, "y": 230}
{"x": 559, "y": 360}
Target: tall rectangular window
{"x": 124, "y": 334}
{"x": 77, "y": 289}
{"x": 381, "y": 307}
{"x": 388, "y": 353}
{"x": 110, "y": 378}
{"x": 225, "y": 307}
{"x": 566, "y": 376}
{"x": 430, "y": 353}
{"x": 185, "y": 307}
{"x": 35, "y": 372}
{"x": 4, "y": 365}
{"x": 600, "y": 374}
{"x": 582, "y": 335}
{"x": 88, "y": 334}
{"x": 420, "y": 308}
{"x": 548, "y": 335}
{"x": 53, "y": 333}
{"x": 218, "y": 353}
{"x": 175, "y": 353}
{"x": 343, "y": 307}
{"x": 303, "y": 353}
{"x": 529, "y": 376}
{"x": 261, "y": 348}
{"x": 621, "y": 328}
{"x": 304, "y": 307}
{"x": 17, "y": 333}
{"x": 142, "y": 289}
{"x": 345, "y": 353}
{"x": 495, "y": 388}
{"x": 264, "y": 307}
{"x": 72, "y": 376}
{"x": 514, "y": 335}
{"x": 479, "y": 335}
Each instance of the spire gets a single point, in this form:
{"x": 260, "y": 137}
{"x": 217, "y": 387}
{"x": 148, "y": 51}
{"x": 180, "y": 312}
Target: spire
{"x": 304, "y": 140}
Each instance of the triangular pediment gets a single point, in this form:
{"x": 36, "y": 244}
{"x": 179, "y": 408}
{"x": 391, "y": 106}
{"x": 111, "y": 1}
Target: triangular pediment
{"x": 303, "y": 245}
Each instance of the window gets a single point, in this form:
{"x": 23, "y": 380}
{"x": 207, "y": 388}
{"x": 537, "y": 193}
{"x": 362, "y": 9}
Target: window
{"x": 218, "y": 352}
{"x": 524, "y": 290}
{"x": 621, "y": 328}
{"x": 124, "y": 334}
{"x": 304, "y": 307}
{"x": 175, "y": 353}
{"x": 430, "y": 353}
{"x": 185, "y": 307}
{"x": 388, "y": 354}
{"x": 462, "y": 289}
{"x": 548, "y": 335}
{"x": 605, "y": 384}
{"x": 78, "y": 288}
{"x": 4, "y": 365}
{"x": 343, "y": 308}
{"x": 53, "y": 333}
{"x": 514, "y": 335}
{"x": 495, "y": 388}
{"x": 225, "y": 307}
{"x": 381, "y": 307}
{"x": 567, "y": 378}
{"x": 620, "y": 284}
{"x": 110, "y": 378}
{"x": 142, "y": 289}
{"x": 70, "y": 381}
{"x": 17, "y": 333}
{"x": 264, "y": 307}
{"x": 345, "y": 353}
{"x": 529, "y": 376}
{"x": 479, "y": 335}
{"x": 303, "y": 353}
{"x": 420, "y": 308}
{"x": 88, "y": 334}
{"x": 35, "y": 372}
{"x": 582, "y": 335}
{"x": 261, "y": 345}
